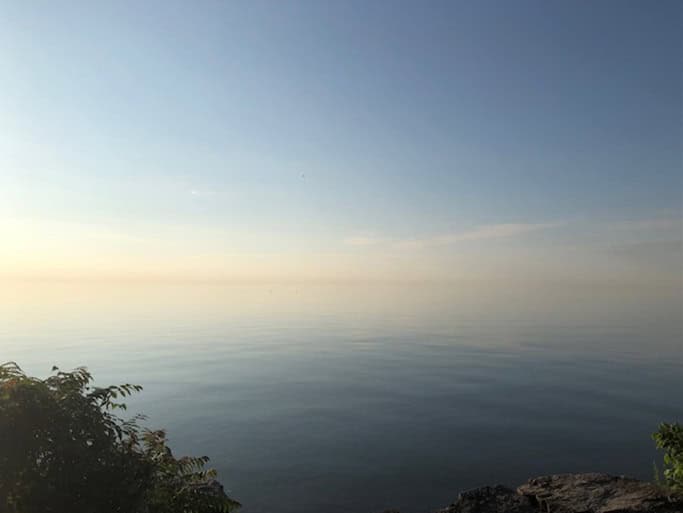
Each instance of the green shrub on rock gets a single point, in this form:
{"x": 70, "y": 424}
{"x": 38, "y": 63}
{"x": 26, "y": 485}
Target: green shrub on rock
{"x": 669, "y": 438}
{"x": 63, "y": 448}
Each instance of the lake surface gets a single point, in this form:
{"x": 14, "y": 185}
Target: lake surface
{"x": 348, "y": 398}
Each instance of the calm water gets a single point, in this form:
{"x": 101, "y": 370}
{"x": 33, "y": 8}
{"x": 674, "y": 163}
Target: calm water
{"x": 332, "y": 398}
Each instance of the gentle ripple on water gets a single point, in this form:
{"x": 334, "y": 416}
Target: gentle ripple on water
{"x": 342, "y": 398}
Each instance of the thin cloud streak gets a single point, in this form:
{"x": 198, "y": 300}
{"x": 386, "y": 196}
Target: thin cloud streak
{"x": 364, "y": 240}
{"x": 202, "y": 192}
{"x": 485, "y": 232}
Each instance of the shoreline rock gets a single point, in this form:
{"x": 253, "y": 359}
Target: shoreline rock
{"x": 569, "y": 493}
{"x": 491, "y": 499}
{"x": 602, "y": 493}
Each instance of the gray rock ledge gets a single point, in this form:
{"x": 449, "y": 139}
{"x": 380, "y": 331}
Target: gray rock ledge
{"x": 570, "y": 493}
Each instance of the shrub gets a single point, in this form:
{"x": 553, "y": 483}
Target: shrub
{"x": 669, "y": 438}
{"x": 63, "y": 448}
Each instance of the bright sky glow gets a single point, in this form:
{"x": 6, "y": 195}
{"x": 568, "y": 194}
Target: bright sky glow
{"x": 342, "y": 140}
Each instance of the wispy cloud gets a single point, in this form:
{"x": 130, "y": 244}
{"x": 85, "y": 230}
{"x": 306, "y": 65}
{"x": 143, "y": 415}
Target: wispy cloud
{"x": 198, "y": 192}
{"x": 492, "y": 231}
{"x": 364, "y": 240}
{"x": 485, "y": 232}
{"x": 656, "y": 224}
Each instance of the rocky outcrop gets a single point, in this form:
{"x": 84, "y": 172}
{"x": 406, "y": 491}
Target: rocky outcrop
{"x": 569, "y": 493}
{"x": 598, "y": 493}
{"x": 491, "y": 499}
{"x": 215, "y": 493}
{"x": 212, "y": 488}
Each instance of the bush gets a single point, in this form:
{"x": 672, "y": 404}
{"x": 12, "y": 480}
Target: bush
{"x": 63, "y": 448}
{"x": 669, "y": 437}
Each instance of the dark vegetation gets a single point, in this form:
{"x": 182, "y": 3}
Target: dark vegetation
{"x": 64, "y": 449}
{"x": 669, "y": 438}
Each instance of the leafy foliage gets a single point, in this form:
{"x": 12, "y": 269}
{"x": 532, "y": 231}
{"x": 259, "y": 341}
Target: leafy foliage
{"x": 669, "y": 437}
{"x": 63, "y": 448}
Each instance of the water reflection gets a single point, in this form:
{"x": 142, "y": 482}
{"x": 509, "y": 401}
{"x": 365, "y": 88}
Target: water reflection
{"x": 347, "y": 397}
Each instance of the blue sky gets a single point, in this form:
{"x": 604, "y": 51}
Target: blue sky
{"x": 301, "y": 129}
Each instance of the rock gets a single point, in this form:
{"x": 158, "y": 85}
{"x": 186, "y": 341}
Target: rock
{"x": 212, "y": 488}
{"x": 569, "y": 493}
{"x": 491, "y": 499}
{"x": 597, "y": 493}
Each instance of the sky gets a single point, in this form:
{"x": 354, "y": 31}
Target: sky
{"x": 342, "y": 140}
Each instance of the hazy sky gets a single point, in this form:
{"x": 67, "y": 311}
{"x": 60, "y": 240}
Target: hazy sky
{"x": 336, "y": 140}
